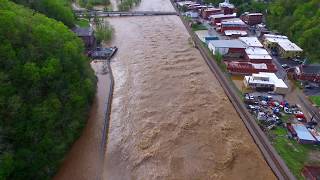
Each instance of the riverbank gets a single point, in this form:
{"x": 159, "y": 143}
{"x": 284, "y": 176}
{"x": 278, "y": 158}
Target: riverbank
{"x": 82, "y": 161}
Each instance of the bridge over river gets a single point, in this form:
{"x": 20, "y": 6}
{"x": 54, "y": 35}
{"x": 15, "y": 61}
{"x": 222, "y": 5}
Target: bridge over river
{"x": 93, "y": 13}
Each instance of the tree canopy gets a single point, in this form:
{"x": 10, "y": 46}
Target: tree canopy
{"x": 46, "y": 88}
{"x": 56, "y": 9}
{"x": 300, "y": 20}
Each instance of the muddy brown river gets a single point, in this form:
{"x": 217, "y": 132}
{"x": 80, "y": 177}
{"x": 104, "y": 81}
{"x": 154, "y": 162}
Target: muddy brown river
{"x": 170, "y": 117}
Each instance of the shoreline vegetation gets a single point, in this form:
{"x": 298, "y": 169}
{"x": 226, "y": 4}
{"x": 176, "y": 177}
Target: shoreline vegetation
{"x": 47, "y": 87}
{"x": 103, "y": 30}
{"x": 89, "y": 4}
{"x": 126, "y": 5}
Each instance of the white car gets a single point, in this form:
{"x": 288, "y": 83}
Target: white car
{"x": 287, "y": 110}
{"x": 297, "y": 112}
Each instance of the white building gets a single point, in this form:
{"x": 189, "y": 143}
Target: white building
{"x": 251, "y": 41}
{"x": 192, "y": 14}
{"x": 223, "y": 46}
{"x": 235, "y": 33}
{"x": 227, "y": 4}
{"x": 286, "y": 48}
{"x": 185, "y": 3}
{"x": 258, "y": 54}
{"x": 268, "y": 81}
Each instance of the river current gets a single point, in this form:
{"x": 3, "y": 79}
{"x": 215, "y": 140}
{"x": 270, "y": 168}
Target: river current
{"x": 170, "y": 117}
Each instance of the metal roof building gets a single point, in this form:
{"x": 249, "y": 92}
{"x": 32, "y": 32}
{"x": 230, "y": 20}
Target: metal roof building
{"x": 303, "y": 134}
{"x": 228, "y": 44}
{"x": 286, "y": 48}
{"x": 258, "y": 54}
{"x": 264, "y": 79}
{"x": 251, "y": 41}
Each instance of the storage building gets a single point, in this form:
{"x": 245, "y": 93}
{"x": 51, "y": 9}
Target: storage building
{"x": 285, "y": 47}
{"x": 257, "y": 55}
{"x": 248, "y": 68}
{"x": 234, "y": 24}
{"x": 227, "y": 46}
{"x": 217, "y": 18}
{"x": 192, "y": 14}
{"x": 252, "y": 18}
{"x": 309, "y": 72}
{"x": 206, "y": 13}
{"x": 227, "y": 7}
{"x": 235, "y": 34}
{"x": 266, "y": 81}
{"x": 303, "y": 134}
{"x": 87, "y": 35}
{"x": 251, "y": 41}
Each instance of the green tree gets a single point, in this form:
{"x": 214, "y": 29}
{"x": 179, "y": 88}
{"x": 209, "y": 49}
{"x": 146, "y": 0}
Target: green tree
{"x": 57, "y": 9}
{"x": 46, "y": 91}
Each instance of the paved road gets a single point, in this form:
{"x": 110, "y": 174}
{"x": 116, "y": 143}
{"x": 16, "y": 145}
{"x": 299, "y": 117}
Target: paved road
{"x": 281, "y": 73}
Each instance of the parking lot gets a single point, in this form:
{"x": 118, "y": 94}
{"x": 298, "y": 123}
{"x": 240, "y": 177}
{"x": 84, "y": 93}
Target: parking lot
{"x": 273, "y": 110}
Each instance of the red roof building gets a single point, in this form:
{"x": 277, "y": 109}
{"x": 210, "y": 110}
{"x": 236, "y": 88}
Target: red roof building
{"x": 217, "y": 18}
{"x": 246, "y": 68}
{"x": 205, "y": 13}
{"x": 233, "y": 24}
{"x": 308, "y": 73}
{"x": 227, "y": 7}
{"x": 311, "y": 172}
{"x": 252, "y": 18}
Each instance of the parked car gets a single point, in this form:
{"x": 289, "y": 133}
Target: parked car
{"x": 274, "y": 53}
{"x": 301, "y": 120}
{"x": 250, "y": 107}
{"x": 271, "y": 126}
{"x": 264, "y": 103}
{"x": 285, "y": 66}
{"x": 297, "y": 112}
{"x": 279, "y": 122}
{"x": 287, "y": 110}
{"x": 300, "y": 116}
{"x": 308, "y": 87}
{"x": 298, "y": 60}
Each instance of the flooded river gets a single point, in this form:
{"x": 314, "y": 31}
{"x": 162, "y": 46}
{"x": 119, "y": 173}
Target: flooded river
{"x": 170, "y": 118}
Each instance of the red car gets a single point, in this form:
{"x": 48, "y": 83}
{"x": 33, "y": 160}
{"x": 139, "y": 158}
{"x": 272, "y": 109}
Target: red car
{"x": 300, "y": 116}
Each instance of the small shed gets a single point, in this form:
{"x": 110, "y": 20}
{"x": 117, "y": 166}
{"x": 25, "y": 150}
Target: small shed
{"x": 87, "y": 35}
{"x": 303, "y": 134}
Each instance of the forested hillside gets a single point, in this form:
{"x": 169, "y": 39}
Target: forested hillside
{"x": 298, "y": 19}
{"x": 46, "y": 87}
{"x": 56, "y": 9}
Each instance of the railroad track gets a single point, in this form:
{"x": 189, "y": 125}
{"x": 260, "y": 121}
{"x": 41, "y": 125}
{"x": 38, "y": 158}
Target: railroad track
{"x": 270, "y": 155}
